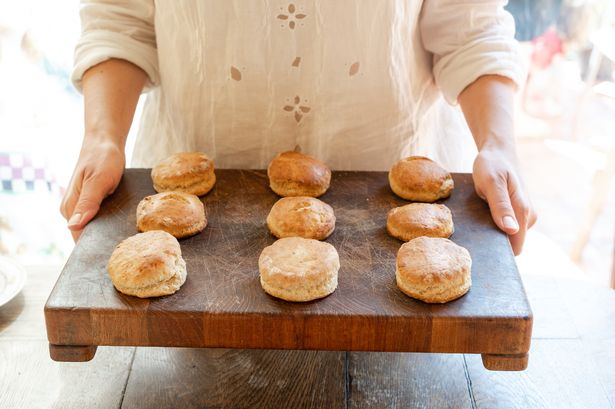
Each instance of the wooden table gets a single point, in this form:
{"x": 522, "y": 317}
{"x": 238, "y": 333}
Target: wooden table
{"x": 572, "y": 365}
{"x": 223, "y": 305}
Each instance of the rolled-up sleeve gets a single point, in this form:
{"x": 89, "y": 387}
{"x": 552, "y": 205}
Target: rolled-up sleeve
{"x": 469, "y": 39}
{"x": 117, "y": 29}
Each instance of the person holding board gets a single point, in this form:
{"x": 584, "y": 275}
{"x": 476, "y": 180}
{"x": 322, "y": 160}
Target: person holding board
{"x": 357, "y": 85}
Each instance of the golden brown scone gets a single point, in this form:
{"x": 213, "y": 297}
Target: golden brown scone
{"x": 434, "y": 270}
{"x": 301, "y": 216}
{"x": 420, "y": 179}
{"x": 296, "y": 174}
{"x": 178, "y": 213}
{"x": 298, "y": 269}
{"x": 190, "y": 172}
{"x": 148, "y": 264}
{"x": 420, "y": 219}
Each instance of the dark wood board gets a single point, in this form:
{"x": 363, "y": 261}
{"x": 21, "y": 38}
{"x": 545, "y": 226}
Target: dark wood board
{"x": 222, "y": 304}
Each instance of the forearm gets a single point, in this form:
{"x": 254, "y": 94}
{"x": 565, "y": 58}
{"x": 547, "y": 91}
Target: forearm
{"x": 488, "y": 107}
{"x": 487, "y": 104}
{"x": 111, "y": 91}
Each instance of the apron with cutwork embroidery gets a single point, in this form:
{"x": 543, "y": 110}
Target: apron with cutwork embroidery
{"x": 349, "y": 82}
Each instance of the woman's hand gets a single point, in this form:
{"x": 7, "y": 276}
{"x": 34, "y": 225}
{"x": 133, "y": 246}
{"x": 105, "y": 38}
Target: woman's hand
{"x": 487, "y": 104}
{"x": 96, "y": 175}
{"x": 111, "y": 91}
{"x": 497, "y": 181}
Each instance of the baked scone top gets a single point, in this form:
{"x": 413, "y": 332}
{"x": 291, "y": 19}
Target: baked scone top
{"x": 301, "y": 216}
{"x": 182, "y": 168}
{"x": 420, "y": 215}
{"x": 170, "y": 209}
{"x": 300, "y": 168}
{"x": 420, "y": 178}
{"x": 432, "y": 261}
{"x": 293, "y": 260}
{"x": 144, "y": 259}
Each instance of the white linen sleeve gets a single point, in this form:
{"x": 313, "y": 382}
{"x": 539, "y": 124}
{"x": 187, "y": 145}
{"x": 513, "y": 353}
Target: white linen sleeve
{"x": 117, "y": 29}
{"x": 469, "y": 39}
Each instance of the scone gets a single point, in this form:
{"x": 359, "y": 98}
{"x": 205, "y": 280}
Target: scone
{"x": 296, "y": 174}
{"x": 147, "y": 264}
{"x": 189, "y": 172}
{"x": 420, "y": 219}
{"x": 301, "y": 216}
{"x": 420, "y": 179}
{"x": 178, "y": 213}
{"x": 298, "y": 269}
{"x": 433, "y": 270}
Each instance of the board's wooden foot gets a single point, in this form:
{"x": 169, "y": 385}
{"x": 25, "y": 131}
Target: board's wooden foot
{"x": 72, "y": 353}
{"x": 512, "y": 362}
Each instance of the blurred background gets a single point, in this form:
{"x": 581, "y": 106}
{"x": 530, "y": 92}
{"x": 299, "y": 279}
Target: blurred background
{"x": 565, "y": 131}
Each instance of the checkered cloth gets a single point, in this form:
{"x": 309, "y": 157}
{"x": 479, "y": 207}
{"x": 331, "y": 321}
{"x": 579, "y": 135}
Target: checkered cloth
{"x": 22, "y": 172}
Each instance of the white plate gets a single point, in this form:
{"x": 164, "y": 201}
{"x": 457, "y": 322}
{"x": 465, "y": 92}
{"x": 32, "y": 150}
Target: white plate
{"x": 12, "y": 280}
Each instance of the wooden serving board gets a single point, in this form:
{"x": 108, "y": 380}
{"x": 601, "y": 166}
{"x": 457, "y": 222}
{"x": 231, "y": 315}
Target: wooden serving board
{"x": 222, "y": 303}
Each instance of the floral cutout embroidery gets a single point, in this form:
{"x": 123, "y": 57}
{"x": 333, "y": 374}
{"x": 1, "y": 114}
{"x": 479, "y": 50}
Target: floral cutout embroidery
{"x": 299, "y": 110}
{"x": 235, "y": 74}
{"x": 354, "y": 69}
{"x": 291, "y": 16}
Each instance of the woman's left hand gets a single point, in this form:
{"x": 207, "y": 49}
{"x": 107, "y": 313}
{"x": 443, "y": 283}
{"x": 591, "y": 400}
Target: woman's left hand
{"x": 487, "y": 104}
{"x": 497, "y": 180}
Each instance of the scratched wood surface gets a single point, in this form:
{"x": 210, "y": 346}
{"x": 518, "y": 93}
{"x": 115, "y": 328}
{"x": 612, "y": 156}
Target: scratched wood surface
{"x": 222, "y": 304}
{"x": 382, "y": 380}
{"x": 572, "y": 365}
{"x": 236, "y": 378}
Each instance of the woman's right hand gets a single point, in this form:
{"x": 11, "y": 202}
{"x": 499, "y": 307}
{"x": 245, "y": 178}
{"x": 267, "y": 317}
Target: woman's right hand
{"x": 96, "y": 175}
{"x": 111, "y": 91}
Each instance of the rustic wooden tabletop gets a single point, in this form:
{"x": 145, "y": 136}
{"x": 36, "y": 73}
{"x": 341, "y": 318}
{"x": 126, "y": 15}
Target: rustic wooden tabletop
{"x": 572, "y": 365}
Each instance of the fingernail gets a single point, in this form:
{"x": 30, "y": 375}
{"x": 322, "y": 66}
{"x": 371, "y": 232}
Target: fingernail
{"x": 74, "y": 219}
{"x": 510, "y": 223}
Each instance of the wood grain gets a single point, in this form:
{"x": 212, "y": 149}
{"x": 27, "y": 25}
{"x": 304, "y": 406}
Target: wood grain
{"x": 503, "y": 362}
{"x": 559, "y": 375}
{"x": 29, "y": 379}
{"x": 407, "y": 380}
{"x": 223, "y": 305}
{"x": 223, "y": 378}
{"x": 583, "y": 365}
{"x": 72, "y": 353}
{"x": 592, "y": 310}
{"x": 22, "y": 317}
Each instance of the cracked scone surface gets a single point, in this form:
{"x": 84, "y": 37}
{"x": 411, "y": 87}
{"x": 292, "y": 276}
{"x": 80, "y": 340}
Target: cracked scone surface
{"x": 147, "y": 264}
{"x": 420, "y": 219}
{"x": 298, "y": 269}
{"x": 301, "y": 216}
{"x": 420, "y": 179}
{"x": 433, "y": 270}
{"x": 189, "y": 172}
{"x": 178, "y": 213}
{"x": 296, "y": 174}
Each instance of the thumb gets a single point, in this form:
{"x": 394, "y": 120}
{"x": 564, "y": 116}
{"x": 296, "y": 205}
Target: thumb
{"x": 500, "y": 206}
{"x": 87, "y": 206}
